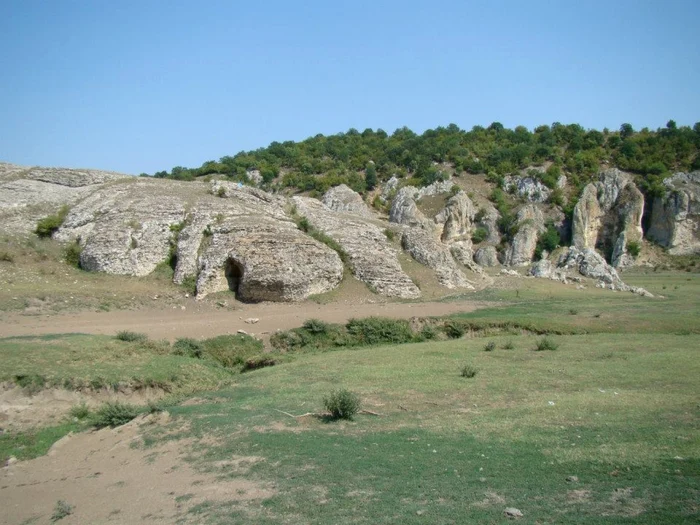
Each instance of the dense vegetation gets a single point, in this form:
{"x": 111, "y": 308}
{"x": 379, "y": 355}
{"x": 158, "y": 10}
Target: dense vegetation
{"x": 360, "y": 160}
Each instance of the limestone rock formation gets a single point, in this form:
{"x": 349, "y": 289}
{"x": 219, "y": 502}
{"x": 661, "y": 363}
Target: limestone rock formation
{"x": 486, "y": 256}
{"x": 427, "y": 250}
{"x": 609, "y": 216}
{"x": 675, "y": 216}
{"x": 343, "y": 199}
{"x": 524, "y": 242}
{"x": 404, "y": 209}
{"x": 457, "y": 218}
{"x": 527, "y": 187}
{"x": 370, "y": 256}
{"x": 264, "y": 259}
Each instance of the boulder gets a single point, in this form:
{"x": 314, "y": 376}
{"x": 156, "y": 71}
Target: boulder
{"x": 522, "y": 248}
{"x": 609, "y": 216}
{"x": 404, "y": 209}
{"x": 675, "y": 215}
{"x": 369, "y": 255}
{"x": 486, "y": 256}
{"x": 463, "y": 253}
{"x": 427, "y": 250}
{"x": 343, "y": 199}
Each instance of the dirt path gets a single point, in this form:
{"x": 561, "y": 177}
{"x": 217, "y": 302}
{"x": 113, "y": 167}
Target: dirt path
{"x": 103, "y": 478}
{"x": 200, "y": 320}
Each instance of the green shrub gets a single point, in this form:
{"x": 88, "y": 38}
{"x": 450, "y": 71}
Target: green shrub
{"x": 546, "y": 344}
{"x": 47, "y": 226}
{"x": 61, "y": 510}
{"x": 548, "y": 241}
{"x": 231, "y": 351}
{"x": 131, "y": 337}
{"x": 468, "y": 371}
{"x": 479, "y": 235}
{"x": 573, "y": 311}
{"x": 454, "y": 329}
{"x": 377, "y": 330}
{"x": 342, "y": 404}
{"x": 428, "y": 333}
{"x": 490, "y": 347}
{"x": 188, "y": 347}
{"x": 315, "y": 326}
{"x": 33, "y": 383}
{"x": 114, "y": 414}
{"x": 80, "y": 411}
{"x": 7, "y": 257}
{"x": 634, "y": 248}
{"x": 508, "y": 345}
{"x": 390, "y": 235}
{"x": 71, "y": 254}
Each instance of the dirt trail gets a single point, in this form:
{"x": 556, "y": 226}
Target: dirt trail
{"x": 201, "y": 320}
{"x": 105, "y": 479}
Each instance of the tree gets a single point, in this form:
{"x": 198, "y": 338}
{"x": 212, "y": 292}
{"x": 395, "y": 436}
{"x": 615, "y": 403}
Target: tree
{"x": 370, "y": 176}
{"x": 626, "y": 130}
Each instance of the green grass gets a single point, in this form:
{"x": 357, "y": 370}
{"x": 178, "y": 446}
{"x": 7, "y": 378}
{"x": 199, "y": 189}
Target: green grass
{"x": 77, "y": 361}
{"x": 28, "y": 445}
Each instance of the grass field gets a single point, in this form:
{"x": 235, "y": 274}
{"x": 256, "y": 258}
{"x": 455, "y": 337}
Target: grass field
{"x": 604, "y": 429}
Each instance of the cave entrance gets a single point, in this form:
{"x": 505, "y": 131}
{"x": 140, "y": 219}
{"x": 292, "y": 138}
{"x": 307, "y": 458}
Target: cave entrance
{"x": 234, "y": 274}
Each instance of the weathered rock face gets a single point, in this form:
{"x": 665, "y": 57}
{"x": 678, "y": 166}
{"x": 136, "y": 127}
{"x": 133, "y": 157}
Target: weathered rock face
{"x": 427, "y": 250}
{"x": 404, "y": 209}
{"x": 457, "y": 218}
{"x": 675, "y": 216}
{"x": 486, "y": 256}
{"x": 527, "y": 187}
{"x": 524, "y": 242}
{"x": 609, "y": 216}
{"x": 370, "y": 257}
{"x": 343, "y": 199}
{"x": 263, "y": 259}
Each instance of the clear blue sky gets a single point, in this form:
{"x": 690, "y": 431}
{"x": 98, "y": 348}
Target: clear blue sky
{"x": 140, "y": 86}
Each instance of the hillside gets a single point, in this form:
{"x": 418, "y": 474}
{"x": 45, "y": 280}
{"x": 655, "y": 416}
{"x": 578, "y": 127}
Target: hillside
{"x": 451, "y": 207}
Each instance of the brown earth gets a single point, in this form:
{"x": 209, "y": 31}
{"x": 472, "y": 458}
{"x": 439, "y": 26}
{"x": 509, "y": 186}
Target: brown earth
{"x": 106, "y": 477}
{"x": 204, "y": 320}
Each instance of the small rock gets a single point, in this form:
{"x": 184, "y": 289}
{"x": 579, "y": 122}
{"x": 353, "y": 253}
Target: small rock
{"x": 252, "y": 320}
{"x": 242, "y": 332}
{"x": 572, "y": 479}
{"x": 10, "y": 461}
{"x": 512, "y": 513}
{"x": 420, "y": 512}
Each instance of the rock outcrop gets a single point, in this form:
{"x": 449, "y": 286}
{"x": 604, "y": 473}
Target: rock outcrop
{"x": 588, "y": 263}
{"x": 404, "y": 209}
{"x": 527, "y": 187}
{"x": 486, "y": 256}
{"x": 345, "y": 200}
{"x": 369, "y": 255}
{"x": 608, "y": 216}
{"x": 675, "y": 216}
{"x": 522, "y": 248}
{"x": 427, "y": 250}
{"x": 457, "y": 218}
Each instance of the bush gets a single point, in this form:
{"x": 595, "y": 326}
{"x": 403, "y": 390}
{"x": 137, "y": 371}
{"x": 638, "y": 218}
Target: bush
{"x": 390, "y": 235}
{"x": 479, "y": 235}
{"x": 255, "y": 363}
{"x": 80, "y": 411}
{"x": 47, "y": 226}
{"x": 342, "y": 404}
{"x": 131, "y": 337}
{"x": 454, "y": 329}
{"x": 377, "y": 330}
{"x": 61, "y": 510}
{"x": 315, "y": 326}
{"x": 546, "y": 344}
{"x": 188, "y": 347}
{"x": 72, "y": 254}
{"x": 634, "y": 248}
{"x": 468, "y": 371}
{"x": 490, "y": 347}
{"x": 7, "y": 257}
{"x": 508, "y": 345}
{"x": 114, "y": 414}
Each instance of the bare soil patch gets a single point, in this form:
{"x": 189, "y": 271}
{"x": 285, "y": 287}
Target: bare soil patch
{"x": 107, "y": 479}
